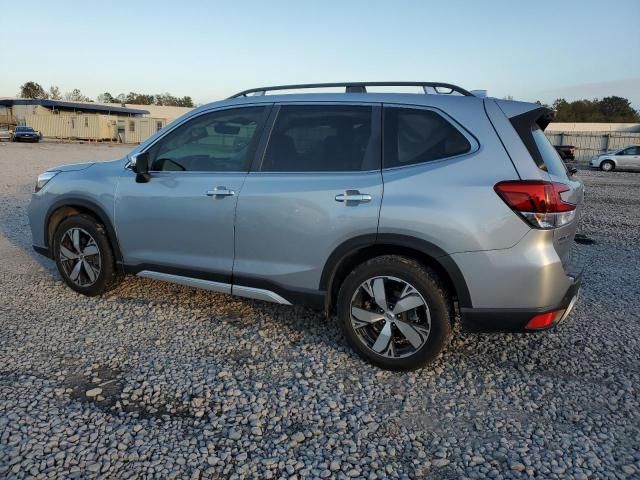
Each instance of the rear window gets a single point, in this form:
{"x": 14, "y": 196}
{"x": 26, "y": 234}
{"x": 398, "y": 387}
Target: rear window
{"x": 551, "y": 161}
{"x": 414, "y": 136}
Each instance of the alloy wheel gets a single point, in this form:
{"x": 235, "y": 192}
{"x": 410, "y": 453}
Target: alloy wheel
{"x": 80, "y": 257}
{"x": 390, "y": 317}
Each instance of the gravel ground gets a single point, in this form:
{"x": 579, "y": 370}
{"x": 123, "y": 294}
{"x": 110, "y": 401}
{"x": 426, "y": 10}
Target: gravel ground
{"x": 161, "y": 381}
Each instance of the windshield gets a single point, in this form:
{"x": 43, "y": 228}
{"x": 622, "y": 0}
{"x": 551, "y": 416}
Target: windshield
{"x": 24, "y": 129}
{"x": 552, "y": 161}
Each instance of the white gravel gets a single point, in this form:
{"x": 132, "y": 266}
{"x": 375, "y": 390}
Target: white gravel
{"x": 162, "y": 381}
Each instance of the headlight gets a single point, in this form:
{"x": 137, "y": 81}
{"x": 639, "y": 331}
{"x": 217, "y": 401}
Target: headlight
{"x": 44, "y": 178}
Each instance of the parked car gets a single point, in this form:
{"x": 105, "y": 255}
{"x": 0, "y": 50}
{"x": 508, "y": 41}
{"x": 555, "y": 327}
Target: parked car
{"x": 28, "y": 134}
{"x": 566, "y": 152}
{"x": 627, "y": 157}
{"x": 280, "y": 198}
{"x": 5, "y": 134}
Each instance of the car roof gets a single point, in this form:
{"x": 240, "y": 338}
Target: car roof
{"x": 511, "y": 107}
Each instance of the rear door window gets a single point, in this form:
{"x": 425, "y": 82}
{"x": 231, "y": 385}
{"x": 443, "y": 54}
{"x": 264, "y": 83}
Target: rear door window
{"x": 322, "y": 138}
{"x": 413, "y": 135}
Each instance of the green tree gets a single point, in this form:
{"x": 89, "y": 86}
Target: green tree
{"x": 54, "y": 93}
{"x": 106, "y": 97}
{"x": 165, "y": 99}
{"x": 76, "y": 96}
{"x": 609, "y": 109}
{"x": 618, "y": 109}
{"x": 172, "y": 101}
{"x": 185, "y": 102}
{"x": 32, "y": 89}
{"x": 139, "y": 98}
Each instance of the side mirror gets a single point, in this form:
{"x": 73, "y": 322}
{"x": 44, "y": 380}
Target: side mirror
{"x": 140, "y": 165}
{"x": 573, "y": 170}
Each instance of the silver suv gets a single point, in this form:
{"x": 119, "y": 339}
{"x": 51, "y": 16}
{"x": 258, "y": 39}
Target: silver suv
{"x": 396, "y": 211}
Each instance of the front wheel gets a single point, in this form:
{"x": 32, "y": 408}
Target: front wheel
{"x": 395, "y": 312}
{"x": 83, "y": 255}
{"x": 607, "y": 166}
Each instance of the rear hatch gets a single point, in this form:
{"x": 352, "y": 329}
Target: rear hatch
{"x": 530, "y": 121}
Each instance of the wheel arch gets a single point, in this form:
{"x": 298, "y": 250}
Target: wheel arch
{"x": 608, "y": 159}
{"x": 68, "y": 207}
{"x": 355, "y": 251}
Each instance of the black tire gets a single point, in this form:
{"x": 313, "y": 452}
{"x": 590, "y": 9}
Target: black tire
{"x": 427, "y": 283}
{"x": 607, "y": 166}
{"x": 106, "y": 277}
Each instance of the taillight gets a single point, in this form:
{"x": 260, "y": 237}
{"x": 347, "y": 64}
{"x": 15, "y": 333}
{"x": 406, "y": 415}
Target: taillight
{"x": 538, "y": 202}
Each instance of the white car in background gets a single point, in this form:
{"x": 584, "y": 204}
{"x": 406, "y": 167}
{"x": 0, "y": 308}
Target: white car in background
{"x": 625, "y": 158}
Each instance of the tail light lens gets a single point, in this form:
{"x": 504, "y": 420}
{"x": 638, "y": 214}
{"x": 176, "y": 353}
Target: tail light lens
{"x": 538, "y": 202}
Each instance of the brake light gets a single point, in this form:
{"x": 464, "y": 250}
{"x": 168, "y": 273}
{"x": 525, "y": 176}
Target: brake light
{"x": 538, "y": 202}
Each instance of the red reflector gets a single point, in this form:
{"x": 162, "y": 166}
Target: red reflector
{"x": 543, "y": 320}
{"x": 535, "y": 196}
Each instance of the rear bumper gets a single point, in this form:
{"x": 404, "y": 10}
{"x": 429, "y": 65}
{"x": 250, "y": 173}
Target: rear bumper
{"x": 516, "y": 319}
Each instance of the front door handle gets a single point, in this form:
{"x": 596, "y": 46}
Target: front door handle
{"x": 351, "y": 197}
{"x": 220, "y": 192}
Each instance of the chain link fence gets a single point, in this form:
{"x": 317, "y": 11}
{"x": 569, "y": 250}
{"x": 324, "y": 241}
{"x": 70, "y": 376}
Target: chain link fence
{"x": 588, "y": 144}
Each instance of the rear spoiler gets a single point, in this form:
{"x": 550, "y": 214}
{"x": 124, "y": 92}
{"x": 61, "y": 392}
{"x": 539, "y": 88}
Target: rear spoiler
{"x": 524, "y": 121}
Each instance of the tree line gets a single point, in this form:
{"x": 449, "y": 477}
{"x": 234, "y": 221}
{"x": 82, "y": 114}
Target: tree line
{"x": 609, "y": 109}
{"x": 34, "y": 90}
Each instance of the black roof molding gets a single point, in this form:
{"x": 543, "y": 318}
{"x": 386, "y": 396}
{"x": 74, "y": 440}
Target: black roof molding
{"x": 361, "y": 87}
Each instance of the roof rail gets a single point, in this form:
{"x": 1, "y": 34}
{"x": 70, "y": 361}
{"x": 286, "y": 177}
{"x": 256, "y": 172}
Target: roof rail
{"x": 361, "y": 87}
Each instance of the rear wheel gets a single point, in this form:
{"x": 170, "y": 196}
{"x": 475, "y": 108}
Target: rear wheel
{"x": 395, "y": 312}
{"x": 83, "y": 255}
{"x": 607, "y": 166}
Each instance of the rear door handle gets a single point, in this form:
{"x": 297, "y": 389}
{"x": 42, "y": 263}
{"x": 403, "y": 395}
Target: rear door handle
{"x": 353, "y": 196}
{"x": 220, "y": 191}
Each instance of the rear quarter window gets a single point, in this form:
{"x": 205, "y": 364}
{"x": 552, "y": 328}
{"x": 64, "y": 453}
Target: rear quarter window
{"x": 413, "y": 136}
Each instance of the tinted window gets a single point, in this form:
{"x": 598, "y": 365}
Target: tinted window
{"x": 630, "y": 151}
{"x": 552, "y": 161}
{"x": 321, "y": 138}
{"x": 415, "y": 136}
{"x": 214, "y": 142}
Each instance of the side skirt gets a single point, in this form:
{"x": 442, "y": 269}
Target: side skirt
{"x": 227, "y": 288}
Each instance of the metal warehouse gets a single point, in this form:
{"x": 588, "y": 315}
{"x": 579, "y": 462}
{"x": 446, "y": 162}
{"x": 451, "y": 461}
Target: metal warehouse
{"x": 78, "y": 120}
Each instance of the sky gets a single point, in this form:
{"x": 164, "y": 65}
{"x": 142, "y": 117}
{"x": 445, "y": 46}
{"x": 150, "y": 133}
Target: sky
{"x": 530, "y": 50}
